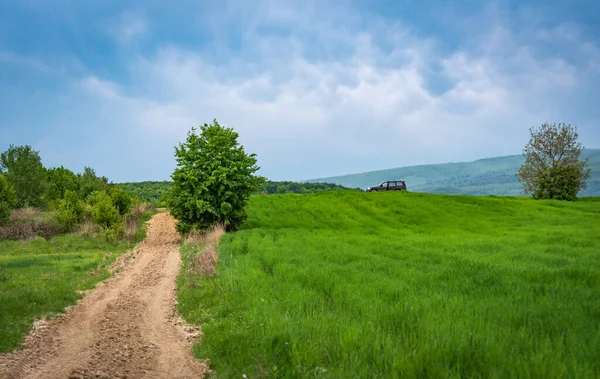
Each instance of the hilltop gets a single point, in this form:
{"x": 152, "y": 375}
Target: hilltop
{"x": 490, "y": 176}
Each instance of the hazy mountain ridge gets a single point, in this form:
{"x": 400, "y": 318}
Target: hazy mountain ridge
{"x": 489, "y": 176}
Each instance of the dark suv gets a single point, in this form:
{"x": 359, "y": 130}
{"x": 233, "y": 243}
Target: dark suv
{"x": 393, "y": 185}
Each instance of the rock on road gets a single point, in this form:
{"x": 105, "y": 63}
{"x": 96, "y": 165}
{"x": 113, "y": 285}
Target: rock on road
{"x": 125, "y": 328}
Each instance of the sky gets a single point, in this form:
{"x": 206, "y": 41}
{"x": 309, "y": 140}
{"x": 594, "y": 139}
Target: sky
{"x": 314, "y": 88}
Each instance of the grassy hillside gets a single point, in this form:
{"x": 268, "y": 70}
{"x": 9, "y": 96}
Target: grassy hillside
{"x": 381, "y": 285}
{"x": 492, "y": 176}
{"x": 152, "y": 192}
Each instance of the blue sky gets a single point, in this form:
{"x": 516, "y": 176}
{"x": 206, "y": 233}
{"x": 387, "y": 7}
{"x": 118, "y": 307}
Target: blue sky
{"x": 314, "y": 88}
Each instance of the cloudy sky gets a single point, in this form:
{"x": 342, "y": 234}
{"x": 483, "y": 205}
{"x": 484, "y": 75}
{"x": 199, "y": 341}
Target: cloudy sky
{"x": 315, "y": 88}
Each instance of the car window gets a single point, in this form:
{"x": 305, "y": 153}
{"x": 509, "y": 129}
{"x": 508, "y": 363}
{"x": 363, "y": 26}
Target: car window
{"x": 392, "y": 184}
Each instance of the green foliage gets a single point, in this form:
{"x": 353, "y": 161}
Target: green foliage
{"x": 69, "y": 211}
{"x": 5, "y": 211}
{"x": 60, "y": 180}
{"x": 347, "y": 284}
{"x": 149, "y": 192}
{"x": 89, "y": 182}
{"x": 273, "y": 187}
{"x": 7, "y": 192}
{"x": 115, "y": 232}
{"x": 155, "y": 192}
{"x": 213, "y": 179}
{"x": 120, "y": 199}
{"x": 93, "y": 197}
{"x": 7, "y": 199}
{"x": 24, "y": 171}
{"x": 552, "y": 168}
{"x": 104, "y": 213}
{"x": 490, "y": 176}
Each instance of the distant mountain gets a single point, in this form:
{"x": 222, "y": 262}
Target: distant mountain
{"x": 491, "y": 176}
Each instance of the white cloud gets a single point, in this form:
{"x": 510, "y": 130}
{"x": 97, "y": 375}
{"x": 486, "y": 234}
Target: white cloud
{"x": 355, "y": 110}
{"x": 310, "y": 116}
{"x": 128, "y": 27}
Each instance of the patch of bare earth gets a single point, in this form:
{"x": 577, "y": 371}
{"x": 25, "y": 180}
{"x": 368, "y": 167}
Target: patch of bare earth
{"x": 125, "y": 328}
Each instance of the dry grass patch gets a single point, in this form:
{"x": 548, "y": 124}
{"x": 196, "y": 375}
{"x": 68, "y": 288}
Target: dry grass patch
{"x": 32, "y": 214}
{"x": 205, "y": 237}
{"x": 88, "y": 228}
{"x": 205, "y": 263}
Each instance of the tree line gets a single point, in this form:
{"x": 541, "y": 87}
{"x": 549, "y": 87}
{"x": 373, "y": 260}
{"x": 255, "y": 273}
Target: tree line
{"x": 69, "y": 197}
{"x": 156, "y": 192}
{"x": 215, "y": 178}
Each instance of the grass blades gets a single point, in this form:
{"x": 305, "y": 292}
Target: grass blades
{"x": 357, "y": 285}
{"x": 41, "y": 277}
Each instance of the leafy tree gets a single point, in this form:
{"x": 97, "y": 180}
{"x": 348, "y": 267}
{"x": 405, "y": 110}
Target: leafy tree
{"x": 89, "y": 182}
{"x": 70, "y": 210}
{"x": 24, "y": 171}
{"x": 552, "y": 168}
{"x": 60, "y": 180}
{"x": 7, "y": 199}
{"x": 213, "y": 180}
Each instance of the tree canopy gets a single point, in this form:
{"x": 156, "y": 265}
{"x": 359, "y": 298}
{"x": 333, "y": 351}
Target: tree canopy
{"x": 213, "y": 180}
{"x": 60, "y": 180}
{"x": 24, "y": 171}
{"x": 552, "y": 168}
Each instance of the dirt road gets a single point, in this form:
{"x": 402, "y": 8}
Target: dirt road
{"x": 125, "y": 328}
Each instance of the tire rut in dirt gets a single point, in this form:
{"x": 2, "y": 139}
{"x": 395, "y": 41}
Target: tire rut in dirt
{"x": 121, "y": 351}
{"x": 125, "y": 328}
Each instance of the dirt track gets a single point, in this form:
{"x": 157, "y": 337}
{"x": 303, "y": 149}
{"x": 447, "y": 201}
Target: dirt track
{"x": 125, "y": 328}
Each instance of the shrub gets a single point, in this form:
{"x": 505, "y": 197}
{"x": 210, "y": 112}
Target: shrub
{"x": 93, "y": 197}
{"x": 121, "y": 200}
{"x": 7, "y": 192}
{"x": 7, "y": 199}
{"x": 70, "y": 211}
{"x": 4, "y": 212}
{"x": 115, "y": 232}
{"x": 104, "y": 213}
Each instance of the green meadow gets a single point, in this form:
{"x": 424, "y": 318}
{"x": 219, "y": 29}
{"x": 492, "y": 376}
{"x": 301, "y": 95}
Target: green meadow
{"x": 347, "y": 284}
{"x": 39, "y": 277}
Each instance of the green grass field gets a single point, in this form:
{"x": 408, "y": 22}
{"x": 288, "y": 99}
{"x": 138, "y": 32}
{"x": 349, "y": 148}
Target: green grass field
{"x": 384, "y": 285}
{"x": 40, "y": 277}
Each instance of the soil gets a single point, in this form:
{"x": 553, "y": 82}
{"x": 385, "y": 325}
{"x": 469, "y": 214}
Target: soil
{"x": 126, "y": 327}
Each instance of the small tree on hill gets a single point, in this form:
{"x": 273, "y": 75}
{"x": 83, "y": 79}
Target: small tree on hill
{"x": 552, "y": 168}
{"x": 213, "y": 179}
{"x": 26, "y": 174}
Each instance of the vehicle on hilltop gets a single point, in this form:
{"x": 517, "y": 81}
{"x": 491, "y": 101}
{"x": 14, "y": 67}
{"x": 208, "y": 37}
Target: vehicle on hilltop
{"x": 390, "y": 185}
